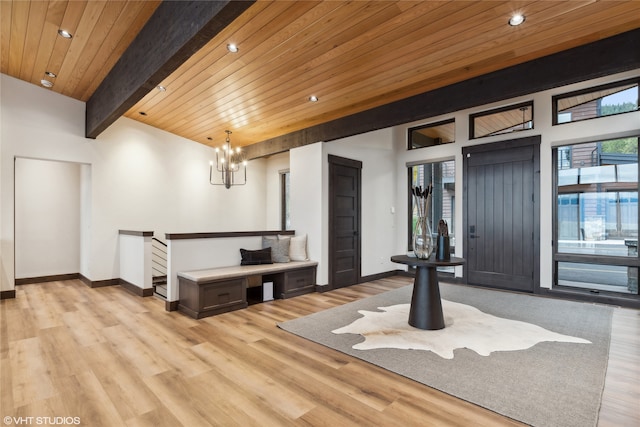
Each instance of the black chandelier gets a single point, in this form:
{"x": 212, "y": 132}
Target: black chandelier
{"x": 228, "y": 163}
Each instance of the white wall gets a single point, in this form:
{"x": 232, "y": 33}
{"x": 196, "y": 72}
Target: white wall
{"x": 47, "y": 221}
{"x": 307, "y": 213}
{"x": 137, "y": 178}
{"x": 376, "y": 151}
{"x": 35, "y": 123}
{"x": 275, "y": 165}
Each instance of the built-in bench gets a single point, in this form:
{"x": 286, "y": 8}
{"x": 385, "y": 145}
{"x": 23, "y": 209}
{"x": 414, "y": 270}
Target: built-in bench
{"x": 219, "y": 290}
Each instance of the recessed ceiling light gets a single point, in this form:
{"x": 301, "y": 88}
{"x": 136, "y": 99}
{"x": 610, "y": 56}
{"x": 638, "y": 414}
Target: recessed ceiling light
{"x": 161, "y": 88}
{"x": 142, "y": 113}
{"x": 50, "y": 74}
{"x": 46, "y": 83}
{"x": 313, "y": 98}
{"x": 516, "y": 19}
{"x": 64, "y": 33}
{"x": 232, "y": 48}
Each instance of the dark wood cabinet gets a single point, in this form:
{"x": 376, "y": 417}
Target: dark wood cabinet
{"x": 293, "y": 283}
{"x": 200, "y": 300}
{"x": 215, "y": 292}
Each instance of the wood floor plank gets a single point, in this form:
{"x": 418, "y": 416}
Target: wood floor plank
{"x": 29, "y": 379}
{"x": 145, "y": 360}
{"x": 159, "y": 417}
{"x": 113, "y": 358}
{"x": 130, "y": 396}
{"x": 61, "y": 363}
{"x": 621, "y": 394}
{"x": 242, "y": 373}
{"x": 84, "y": 397}
{"x": 180, "y": 398}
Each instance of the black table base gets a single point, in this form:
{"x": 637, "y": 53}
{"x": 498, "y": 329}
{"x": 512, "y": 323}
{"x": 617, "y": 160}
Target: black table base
{"x": 426, "y": 306}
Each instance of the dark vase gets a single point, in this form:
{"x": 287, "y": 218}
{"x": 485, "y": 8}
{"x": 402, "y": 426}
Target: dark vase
{"x": 443, "y": 252}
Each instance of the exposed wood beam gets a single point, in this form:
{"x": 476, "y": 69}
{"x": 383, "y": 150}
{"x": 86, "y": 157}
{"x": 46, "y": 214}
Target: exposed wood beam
{"x": 608, "y": 56}
{"x": 175, "y": 31}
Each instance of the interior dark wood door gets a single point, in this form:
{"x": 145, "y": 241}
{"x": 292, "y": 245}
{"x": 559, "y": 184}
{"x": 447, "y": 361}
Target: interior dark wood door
{"x": 501, "y": 183}
{"x": 344, "y": 221}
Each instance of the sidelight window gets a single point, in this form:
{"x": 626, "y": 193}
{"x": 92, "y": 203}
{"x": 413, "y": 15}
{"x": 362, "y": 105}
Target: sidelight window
{"x": 442, "y": 176}
{"x": 596, "y": 215}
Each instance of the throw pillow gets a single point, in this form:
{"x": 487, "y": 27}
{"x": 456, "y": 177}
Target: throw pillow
{"x": 260, "y": 256}
{"x": 298, "y": 248}
{"x": 279, "y": 248}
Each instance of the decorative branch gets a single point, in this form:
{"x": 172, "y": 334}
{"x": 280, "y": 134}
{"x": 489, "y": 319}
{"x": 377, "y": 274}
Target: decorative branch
{"x": 422, "y": 199}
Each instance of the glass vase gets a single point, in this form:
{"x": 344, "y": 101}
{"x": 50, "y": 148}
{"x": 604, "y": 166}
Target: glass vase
{"x": 422, "y": 239}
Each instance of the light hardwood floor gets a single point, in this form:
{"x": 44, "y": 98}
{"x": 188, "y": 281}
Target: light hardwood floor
{"x": 114, "y": 359}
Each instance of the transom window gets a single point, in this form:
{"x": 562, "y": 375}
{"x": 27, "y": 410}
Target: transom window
{"x": 432, "y": 134}
{"x": 514, "y": 118}
{"x": 601, "y": 101}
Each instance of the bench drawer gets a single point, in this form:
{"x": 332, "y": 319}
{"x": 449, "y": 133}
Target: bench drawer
{"x": 200, "y": 300}
{"x": 299, "y": 279}
{"x": 295, "y": 282}
{"x": 223, "y": 293}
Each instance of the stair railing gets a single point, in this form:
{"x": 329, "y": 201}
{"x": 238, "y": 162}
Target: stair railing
{"x": 158, "y": 258}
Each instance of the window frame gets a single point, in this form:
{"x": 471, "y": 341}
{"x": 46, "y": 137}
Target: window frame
{"x": 555, "y": 98}
{"x": 567, "y": 257}
{"x": 284, "y": 197}
{"x": 452, "y": 222}
{"x": 474, "y": 116}
{"x": 440, "y": 123}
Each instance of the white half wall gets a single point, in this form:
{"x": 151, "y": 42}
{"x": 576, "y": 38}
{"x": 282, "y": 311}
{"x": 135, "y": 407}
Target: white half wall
{"x": 135, "y": 260}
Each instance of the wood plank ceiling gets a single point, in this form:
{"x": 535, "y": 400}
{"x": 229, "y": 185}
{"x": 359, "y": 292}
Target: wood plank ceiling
{"x": 351, "y": 55}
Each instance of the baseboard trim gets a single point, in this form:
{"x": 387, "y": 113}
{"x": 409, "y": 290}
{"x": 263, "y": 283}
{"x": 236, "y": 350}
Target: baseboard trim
{"x": 7, "y": 294}
{"x": 43, "y": 279}
{"x": 378, "y": 276}
{"x": 171, "y": 305}
{"x": 136, "y": 290}
{"x": 98, "y": 283}
{"x": 323, "y": 288}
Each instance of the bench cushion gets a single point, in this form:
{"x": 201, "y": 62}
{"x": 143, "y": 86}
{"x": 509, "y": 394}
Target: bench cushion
{"x": 201, "y": 276}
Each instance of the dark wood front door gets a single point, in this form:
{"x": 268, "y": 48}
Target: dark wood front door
{"x": 344, "y": 221}
{"x": 501, "y": 186}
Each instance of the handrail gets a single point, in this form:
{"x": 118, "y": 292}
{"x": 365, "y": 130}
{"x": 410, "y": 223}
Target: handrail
{"x": 159, "y": 241}
{"x": 225, "y": 234}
